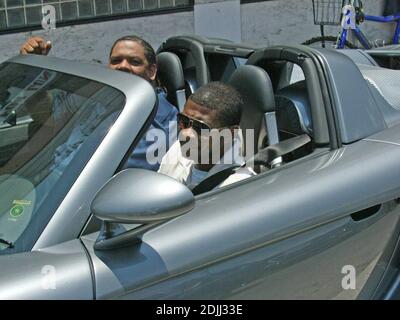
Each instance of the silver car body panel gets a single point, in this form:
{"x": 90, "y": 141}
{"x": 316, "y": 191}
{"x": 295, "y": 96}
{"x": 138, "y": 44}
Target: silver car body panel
{"x": 355, "y": 107}
{"x": 359, "y": 56}
{"x": 307, "y": 265}
{"x": 222, "y": 227}
{"x": 59, "y": 272}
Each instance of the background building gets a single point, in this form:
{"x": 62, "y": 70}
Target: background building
{"x": 86, "y": 29}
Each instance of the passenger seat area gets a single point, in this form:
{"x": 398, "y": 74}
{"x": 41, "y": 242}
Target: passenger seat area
{"x": 293, "y": 112}
{"x": 171, "y": 78}
{"x": 281, "y": 129}
{"x": 258, "y": 115}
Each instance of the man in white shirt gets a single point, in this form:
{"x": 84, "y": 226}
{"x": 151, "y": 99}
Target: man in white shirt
{"x": 209, "y": 139}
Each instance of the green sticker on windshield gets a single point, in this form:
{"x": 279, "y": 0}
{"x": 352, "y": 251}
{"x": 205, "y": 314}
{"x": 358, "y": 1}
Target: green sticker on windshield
{"x": 16, "y": 211}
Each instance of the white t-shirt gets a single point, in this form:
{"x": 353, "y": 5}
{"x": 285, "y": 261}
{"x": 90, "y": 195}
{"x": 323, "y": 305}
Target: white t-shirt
{"x": 175, "y": 165}
{"x": 196, "y": 177}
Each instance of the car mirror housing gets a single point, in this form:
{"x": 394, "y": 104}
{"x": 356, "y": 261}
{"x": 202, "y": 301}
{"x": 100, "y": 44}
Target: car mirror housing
{"x": 137, "y": 196}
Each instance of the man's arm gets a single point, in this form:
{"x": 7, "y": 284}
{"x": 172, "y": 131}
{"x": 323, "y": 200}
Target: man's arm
{"x": 35, "y": 45}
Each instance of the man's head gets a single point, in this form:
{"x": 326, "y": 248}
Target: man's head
{"x": 134, "y": 55}
{"x": 213, "y": 106}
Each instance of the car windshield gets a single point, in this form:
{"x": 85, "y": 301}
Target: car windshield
{"x": 50, "y": 125}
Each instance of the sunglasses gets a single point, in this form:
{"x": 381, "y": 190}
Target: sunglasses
{"x": 185, "y": 122}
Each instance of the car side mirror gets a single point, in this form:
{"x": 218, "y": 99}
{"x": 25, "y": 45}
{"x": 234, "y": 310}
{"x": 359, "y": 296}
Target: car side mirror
{"x": 137, "y": 196}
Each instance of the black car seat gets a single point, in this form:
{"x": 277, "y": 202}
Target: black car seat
{"x": 255, "y": 87}
{"x": 293, "y": 111}
{"x": 170, "y": 74}
{"x": 190, "y": 81}
{"x": 258, "y": 113}
{"x": 293, "y": 114}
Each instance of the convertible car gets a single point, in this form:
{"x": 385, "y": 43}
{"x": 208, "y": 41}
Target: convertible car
{"x": 320, "y": 220}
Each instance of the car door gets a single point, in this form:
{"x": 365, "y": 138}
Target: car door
{"x": 316, "y": 230}
{"x": 59, "y": 272}
{"x": 324, "y": 226}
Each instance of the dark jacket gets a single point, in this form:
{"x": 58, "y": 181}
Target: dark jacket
{"x": 165, "y": 114}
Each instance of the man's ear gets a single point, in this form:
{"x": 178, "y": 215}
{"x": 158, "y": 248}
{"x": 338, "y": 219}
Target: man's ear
{"x": 152, "y": 72}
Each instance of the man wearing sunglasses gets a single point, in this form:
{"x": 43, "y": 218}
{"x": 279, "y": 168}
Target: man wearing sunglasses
{"x": 209, "y": 139}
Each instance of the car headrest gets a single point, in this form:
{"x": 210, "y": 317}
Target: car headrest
{"x": 170, "y": 74}
{"x": 255, "y": 86}
{"x": 190, "y": 81}
{"x": 293, "y": 110}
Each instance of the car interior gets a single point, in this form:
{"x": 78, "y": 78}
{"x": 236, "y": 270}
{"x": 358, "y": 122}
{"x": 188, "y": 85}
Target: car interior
{"x": 191, "y": 55}
{"x": 206, "y": 59}
{"x": 188, "y": 66}
{"x": 276, "y": 92}
{"x": 170, "y": 74}
{"x": 277, "y": 106}
{"x": 259, "y": 114}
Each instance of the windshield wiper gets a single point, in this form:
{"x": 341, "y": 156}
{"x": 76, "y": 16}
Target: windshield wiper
{"x": 7, "y": 243}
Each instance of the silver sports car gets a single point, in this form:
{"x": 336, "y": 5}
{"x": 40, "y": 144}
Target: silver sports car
{"x": 320, "y": 220}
